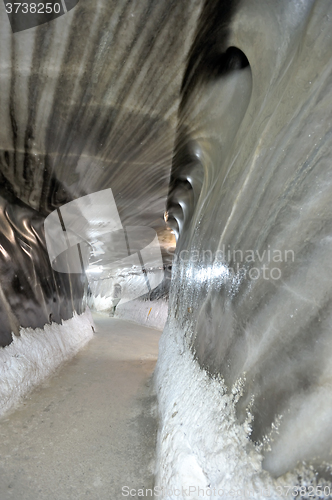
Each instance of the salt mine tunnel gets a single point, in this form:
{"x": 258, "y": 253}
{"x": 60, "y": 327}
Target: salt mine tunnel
{"x": 166, "y": 166}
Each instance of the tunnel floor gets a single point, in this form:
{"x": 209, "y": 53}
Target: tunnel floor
{"x": 90, "y": 429}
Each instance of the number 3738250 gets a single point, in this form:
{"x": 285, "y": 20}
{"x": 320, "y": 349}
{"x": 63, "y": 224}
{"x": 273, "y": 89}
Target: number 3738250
{"x": 307, "y": 491}
{"x": 33, "y": 8}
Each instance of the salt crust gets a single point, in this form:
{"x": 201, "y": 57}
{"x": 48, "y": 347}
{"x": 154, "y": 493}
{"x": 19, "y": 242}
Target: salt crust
{"x": 36, "y": 354}
{"x": 200, "y": 442}
{"x": 144, "y": 312}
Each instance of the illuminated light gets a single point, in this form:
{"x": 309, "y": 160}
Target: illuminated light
{"x": 95, "y": 270}
{"x": 209, "y": 273}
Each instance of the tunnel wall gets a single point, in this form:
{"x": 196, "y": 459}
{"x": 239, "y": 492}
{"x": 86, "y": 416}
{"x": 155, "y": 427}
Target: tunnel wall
{"x": 244, "y": 369}
{"x": 31, "y": 293}
{"x": 88, "y": 102}
{"x": 151, "y": 313}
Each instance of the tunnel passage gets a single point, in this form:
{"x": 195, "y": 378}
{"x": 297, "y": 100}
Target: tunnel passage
{"x": 82, "y": 114}
{"x": 249, "y": 198}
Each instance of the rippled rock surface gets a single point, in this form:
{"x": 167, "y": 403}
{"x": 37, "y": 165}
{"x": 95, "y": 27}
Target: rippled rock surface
{"x": 250, "y": 198}
{"x": 88, "y": 101}
{"x": 31, "y": 293}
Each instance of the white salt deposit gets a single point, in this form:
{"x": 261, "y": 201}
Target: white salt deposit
{"x": 203, "y": 451}
{"x": 131, "y": 307}
{"x": 100, "y": 303}
{"x": 144, "y": 312}
{"x": 36, "y": 353}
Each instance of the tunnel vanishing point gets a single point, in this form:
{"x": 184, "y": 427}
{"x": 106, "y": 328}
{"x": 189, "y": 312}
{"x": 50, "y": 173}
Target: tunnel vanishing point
{"x": 182, "y": 152}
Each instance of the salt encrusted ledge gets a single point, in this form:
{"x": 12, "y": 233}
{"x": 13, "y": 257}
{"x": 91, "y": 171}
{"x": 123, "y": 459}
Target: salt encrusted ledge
{"x": 203, "y": 451}
{"x": 152, "y": 313}
{"x": 36, "y": 354}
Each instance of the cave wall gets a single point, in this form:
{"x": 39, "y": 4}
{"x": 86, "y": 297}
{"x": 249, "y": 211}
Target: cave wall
{"x": 88, "y": 101}
{"x": 250, "y": 192}
{"x": 32, "y": 293}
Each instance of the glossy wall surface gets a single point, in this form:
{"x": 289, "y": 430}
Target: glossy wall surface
{"x": 32, "y": 294}
{"x": 88, "y": 101}
{"x": 250, "y": 197}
